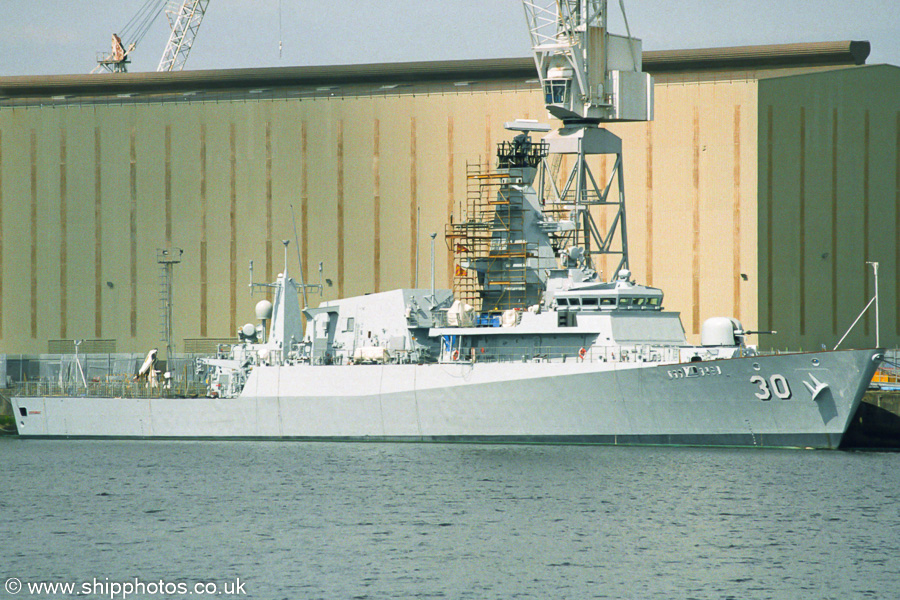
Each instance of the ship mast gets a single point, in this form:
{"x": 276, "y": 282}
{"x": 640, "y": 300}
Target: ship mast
{"x": 588, "y": 77}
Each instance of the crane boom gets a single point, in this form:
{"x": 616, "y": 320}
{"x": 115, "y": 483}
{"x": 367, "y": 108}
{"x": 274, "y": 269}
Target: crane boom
{"x": 185, "y": 17}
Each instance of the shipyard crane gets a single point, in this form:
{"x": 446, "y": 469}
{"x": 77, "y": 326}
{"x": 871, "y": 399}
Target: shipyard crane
{"x": 184, "y": 18}
{"x": 588, "y": 77}
{"x": 117, "y": 60}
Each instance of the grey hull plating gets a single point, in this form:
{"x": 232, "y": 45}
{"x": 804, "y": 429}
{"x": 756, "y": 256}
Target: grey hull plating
{"x": 796, "y": 400}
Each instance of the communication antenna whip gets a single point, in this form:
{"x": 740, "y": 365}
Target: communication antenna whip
{"x": 299, "y": 261}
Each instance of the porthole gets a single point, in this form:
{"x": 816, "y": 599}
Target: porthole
{"x": 756, "y": 366}
{"x": 815, "y": 362}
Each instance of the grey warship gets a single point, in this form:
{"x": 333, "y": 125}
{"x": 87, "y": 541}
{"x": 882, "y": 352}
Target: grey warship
{"x": 581, "y": 360}
{"x": 533, "y": 344}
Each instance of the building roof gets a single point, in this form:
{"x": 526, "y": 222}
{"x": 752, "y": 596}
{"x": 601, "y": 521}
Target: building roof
{"x": 821, "y": 54}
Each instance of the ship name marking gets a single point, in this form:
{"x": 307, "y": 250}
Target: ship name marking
{"x": 694, "y": 371}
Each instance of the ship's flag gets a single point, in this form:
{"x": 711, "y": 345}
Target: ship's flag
{"x": 461, "y": 248}
{"x": 460, "y": 272}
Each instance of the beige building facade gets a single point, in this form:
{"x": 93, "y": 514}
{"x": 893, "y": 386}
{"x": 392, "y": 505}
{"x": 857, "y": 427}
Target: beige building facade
{"x": 767, "y": 179}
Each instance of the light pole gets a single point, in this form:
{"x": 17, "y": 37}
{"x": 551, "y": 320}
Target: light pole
{"x": 877, "y": 320}
{"x": 433, "y": 235}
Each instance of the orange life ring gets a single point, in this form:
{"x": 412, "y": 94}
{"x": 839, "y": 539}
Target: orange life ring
{"x": 455, "y": 355}
{"x": 581, "y": 353}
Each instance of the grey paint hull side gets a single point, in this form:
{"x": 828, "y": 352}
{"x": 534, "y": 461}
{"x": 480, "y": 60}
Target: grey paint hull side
{"x": 709, "y": 404}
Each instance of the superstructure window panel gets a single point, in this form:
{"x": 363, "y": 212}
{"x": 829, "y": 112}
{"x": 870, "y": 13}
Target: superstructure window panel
{"x": 556, "y": 91}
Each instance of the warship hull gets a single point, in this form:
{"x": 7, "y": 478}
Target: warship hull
{"x": 788, "y": 400}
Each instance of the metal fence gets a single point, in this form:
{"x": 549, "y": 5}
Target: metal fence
{"x": 112, "y": 375}
{"x": 111, "y": 389}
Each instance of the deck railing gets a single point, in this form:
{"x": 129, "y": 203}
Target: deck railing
{"x": 110, "y": 389}
{"x": 551, "y": 353}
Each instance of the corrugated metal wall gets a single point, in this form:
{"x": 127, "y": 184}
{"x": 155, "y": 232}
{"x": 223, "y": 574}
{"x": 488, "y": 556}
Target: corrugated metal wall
{"x": 829, "y": 201}
{"x": 691, "y": 183}
{"x": 90, "y": 192}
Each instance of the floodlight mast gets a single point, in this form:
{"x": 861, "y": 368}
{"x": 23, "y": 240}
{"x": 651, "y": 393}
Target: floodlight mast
{"x": 588, "y": 77}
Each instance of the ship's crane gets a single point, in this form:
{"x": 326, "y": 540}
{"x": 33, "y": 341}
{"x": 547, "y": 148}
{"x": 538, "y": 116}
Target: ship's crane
{"x": 588, "y": 77}
{"x": 184, "y": 17}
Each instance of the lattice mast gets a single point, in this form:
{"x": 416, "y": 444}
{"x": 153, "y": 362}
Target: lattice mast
{"x": 588, "y": 77}
{"x": 185, "y": 18}
{"x": 167, "y": 259}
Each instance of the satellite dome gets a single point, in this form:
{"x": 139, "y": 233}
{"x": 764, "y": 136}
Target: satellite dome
{"x": 249, "y": 330}
{"x": 263, "y": 309}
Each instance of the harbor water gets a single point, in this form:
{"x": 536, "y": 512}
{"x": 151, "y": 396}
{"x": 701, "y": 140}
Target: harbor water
{"x": 353, "y": 520}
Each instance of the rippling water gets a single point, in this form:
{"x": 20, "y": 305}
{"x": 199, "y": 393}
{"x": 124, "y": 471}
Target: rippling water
{"x": 340, "y": 520}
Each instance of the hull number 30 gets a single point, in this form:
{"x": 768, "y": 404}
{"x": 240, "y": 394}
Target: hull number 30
{"x": 776, "y": 386}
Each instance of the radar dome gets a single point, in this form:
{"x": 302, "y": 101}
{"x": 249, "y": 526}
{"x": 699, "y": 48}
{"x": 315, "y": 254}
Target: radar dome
{"x": 263, "y": 309}
{"x": 249, "y": 330}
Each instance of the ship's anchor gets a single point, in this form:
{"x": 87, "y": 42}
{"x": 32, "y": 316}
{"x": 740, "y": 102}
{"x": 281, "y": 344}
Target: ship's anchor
{"x": 817, "y": 389}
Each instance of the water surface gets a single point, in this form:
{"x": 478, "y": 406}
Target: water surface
{"x": 351, "y": 520}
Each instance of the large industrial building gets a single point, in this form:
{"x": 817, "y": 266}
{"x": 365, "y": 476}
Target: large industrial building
{"x": 768, "y": 178}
